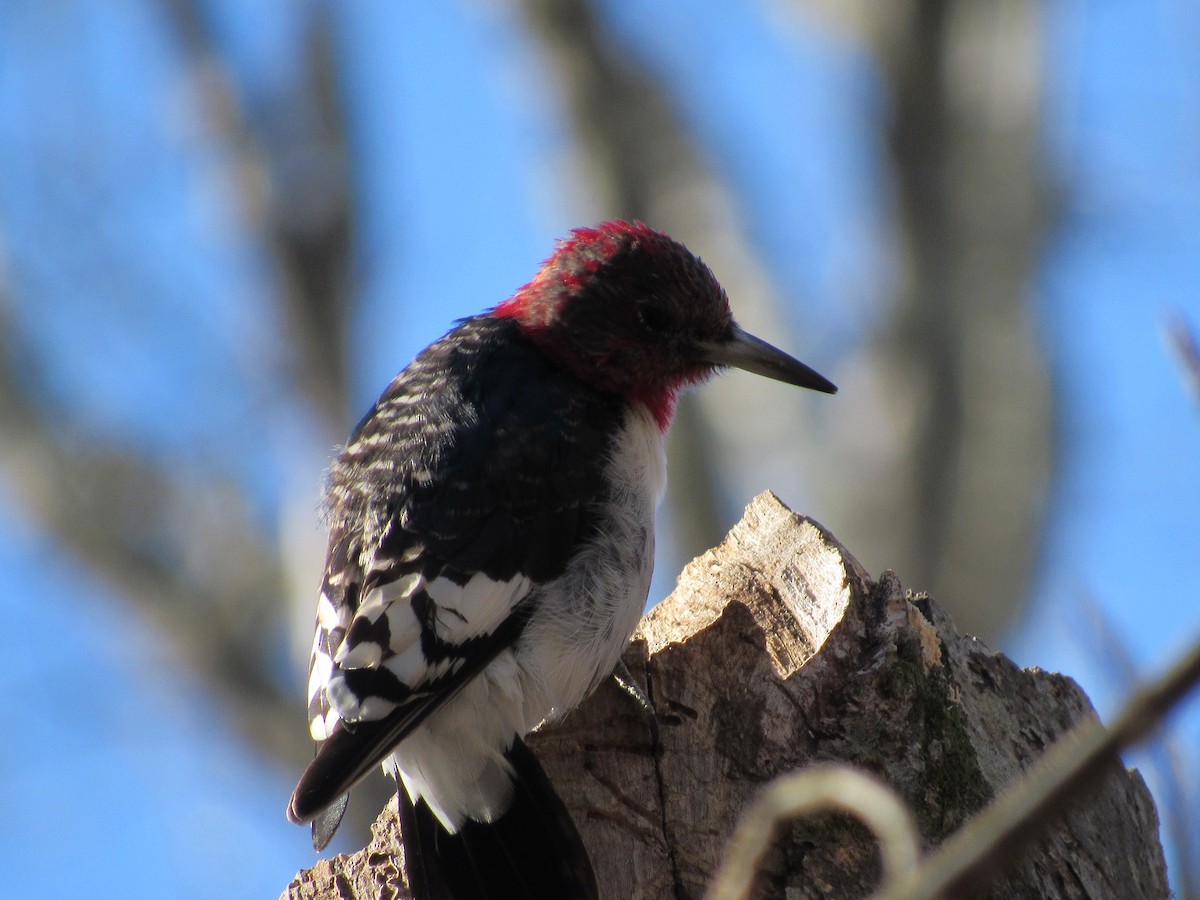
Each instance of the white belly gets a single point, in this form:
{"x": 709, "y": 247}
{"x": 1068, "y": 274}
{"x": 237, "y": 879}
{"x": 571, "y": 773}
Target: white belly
{"x": 587, "y": 616}
{"x": 583, "y": 621}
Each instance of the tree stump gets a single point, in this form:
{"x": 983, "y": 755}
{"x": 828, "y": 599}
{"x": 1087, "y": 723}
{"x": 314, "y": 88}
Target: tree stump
{"x": 776, "y": 650}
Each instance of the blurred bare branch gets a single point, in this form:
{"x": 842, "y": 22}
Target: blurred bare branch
{"x": 1110, "y": 655}
{"x": 185, "y": 551}
{"x": 292, "y": 176}
{"x": 828, "y": 787}
{"x": 179, "y": 541}
{"x": 1182, "y": 340}
{"x": 294, "y": 144}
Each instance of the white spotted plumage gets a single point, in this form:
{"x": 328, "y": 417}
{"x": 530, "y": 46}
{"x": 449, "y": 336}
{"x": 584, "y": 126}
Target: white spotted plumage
{"x": 583, "y": 619}
{"x": 461, "y": 507}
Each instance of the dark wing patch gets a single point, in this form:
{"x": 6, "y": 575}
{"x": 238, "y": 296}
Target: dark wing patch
{"x": 472, "y": 480}
{"x": 352, "y": 750}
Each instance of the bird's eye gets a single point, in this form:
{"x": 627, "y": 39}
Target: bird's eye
{"x": 654, "y": 318}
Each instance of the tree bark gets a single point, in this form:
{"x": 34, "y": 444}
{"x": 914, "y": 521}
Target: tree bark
{"x": 777, "y": 650}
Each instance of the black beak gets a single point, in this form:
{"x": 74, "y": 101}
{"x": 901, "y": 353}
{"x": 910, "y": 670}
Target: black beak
{"x": 745, "y": 351}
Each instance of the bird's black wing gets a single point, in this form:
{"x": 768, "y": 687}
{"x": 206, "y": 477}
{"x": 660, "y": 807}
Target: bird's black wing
{"x": 472, "y": 481}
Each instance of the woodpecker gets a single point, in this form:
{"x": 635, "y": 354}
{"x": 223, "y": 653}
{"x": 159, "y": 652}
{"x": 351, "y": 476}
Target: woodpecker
{"x": 491, "y": 540}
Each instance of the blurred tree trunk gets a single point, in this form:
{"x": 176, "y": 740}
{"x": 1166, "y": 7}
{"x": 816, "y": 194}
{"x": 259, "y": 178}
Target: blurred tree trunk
{"x": 965, "y": 447}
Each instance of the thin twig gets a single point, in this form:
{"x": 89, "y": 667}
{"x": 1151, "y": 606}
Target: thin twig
{"x": 1105, "y": 643}
{"x": 1182, "y": 340}
{"x": 821, "y": 788}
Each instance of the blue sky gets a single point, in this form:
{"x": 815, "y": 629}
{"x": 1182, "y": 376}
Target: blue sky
{"x": 120, "y": 245}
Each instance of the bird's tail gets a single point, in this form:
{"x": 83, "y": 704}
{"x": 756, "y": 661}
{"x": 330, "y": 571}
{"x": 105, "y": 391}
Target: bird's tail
{"x": 532, "y": 852}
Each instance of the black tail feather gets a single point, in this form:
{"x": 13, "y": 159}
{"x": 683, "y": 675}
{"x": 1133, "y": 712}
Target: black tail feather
{"x": 326, "y": 822}
{"x": 532, "y": 852}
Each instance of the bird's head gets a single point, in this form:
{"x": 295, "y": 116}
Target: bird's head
{"x": 629, "y": 310}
